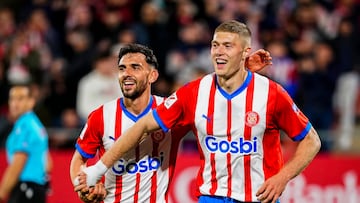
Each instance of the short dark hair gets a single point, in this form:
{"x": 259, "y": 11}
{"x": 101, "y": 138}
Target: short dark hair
{"x": 26, "y": 85}
{"x": 150, "y": 57}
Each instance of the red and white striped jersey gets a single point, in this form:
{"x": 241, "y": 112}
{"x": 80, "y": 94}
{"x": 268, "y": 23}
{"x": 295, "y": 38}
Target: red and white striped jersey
{"x": 238, "y": 134}
{"x": 143, "y": 174}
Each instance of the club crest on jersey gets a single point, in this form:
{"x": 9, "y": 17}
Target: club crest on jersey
{"x": 170, "y": 100}
{"x": 158, "y": 136}
{"x": 251, "y": 118}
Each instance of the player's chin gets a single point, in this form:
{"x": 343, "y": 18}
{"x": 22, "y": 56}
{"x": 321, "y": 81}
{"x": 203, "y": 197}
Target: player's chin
{"x": 220, "y": 73}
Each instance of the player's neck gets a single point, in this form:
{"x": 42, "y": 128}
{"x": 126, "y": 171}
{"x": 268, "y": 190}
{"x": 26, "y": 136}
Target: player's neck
{"x": 138, "y": 105}
{"x": 232, "y": 83}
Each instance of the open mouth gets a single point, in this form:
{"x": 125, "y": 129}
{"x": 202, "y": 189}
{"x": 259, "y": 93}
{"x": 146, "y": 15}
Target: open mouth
{"x": 128, "y": 84}
{"x": 220, "y": 62}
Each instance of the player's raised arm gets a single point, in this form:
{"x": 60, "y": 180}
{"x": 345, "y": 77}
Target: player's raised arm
{"x": 126, "y": 141}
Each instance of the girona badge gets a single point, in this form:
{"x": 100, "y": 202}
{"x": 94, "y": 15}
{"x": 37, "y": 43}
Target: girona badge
{"x": 251, "y": 118}
{"x": 158, "y": 136}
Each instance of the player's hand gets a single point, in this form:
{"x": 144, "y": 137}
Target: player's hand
{"x": 258, "y": 60}
{"x": 95, "y": 194}
{"x": 271, "y": 190}
{"x": 80, "y": 183}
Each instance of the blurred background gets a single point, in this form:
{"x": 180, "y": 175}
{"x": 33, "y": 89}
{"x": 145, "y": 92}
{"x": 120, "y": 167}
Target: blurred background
{"x": 63, "y": 46}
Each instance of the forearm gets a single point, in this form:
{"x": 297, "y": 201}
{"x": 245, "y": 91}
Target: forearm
{"x": 127, "y": 141}
{"x": 304, "y": 154}
{"x": 7, "y": 183}
{"x": 76, "y": 163}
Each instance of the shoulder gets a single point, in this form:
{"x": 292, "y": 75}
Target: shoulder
{"x": 28, "y": 118}
{"x": 108, "y": 106}
{"x": 273, "y": 85}
{"x": 195, "y": 84}
{"x": 158, "y": 99}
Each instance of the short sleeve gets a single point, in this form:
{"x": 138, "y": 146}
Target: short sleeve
{"x": 289, "y": 117}
{"x": 90, "y": 138}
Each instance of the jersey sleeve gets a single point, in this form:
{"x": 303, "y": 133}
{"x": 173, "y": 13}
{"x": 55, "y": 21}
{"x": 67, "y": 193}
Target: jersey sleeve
{"x": 173, "y": 110}
{"x": 289, "y": 117}
{"x": 23, "y": 138}
{"x": 90, "y": 138}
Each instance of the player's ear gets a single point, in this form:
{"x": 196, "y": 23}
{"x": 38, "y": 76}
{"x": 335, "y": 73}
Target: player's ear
{"x": 31, "y": 103}
{"x": 246, "y": 52}
{"x": 154, "y": 74}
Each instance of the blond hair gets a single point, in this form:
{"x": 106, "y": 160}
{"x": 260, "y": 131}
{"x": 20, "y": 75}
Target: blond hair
{"x": 236, "y": 27}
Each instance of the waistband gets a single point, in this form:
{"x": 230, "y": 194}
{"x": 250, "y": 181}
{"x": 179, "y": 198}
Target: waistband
{"x": 220, "y": 199}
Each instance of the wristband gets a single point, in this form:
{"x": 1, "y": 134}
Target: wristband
{"x": 94, "y": 173}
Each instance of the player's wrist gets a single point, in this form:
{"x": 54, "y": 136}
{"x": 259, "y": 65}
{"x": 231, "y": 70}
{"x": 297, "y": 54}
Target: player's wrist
{"x": 101, "y": 167}
{"x": 95, "y": 172}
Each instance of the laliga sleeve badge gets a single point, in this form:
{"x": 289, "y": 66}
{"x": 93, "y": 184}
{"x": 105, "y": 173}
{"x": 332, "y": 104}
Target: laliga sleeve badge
{"x": 170, "y": 100}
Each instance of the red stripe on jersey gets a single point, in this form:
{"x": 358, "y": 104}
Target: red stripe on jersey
{"x": 247, "y": 136}
{"x": 118, "y": 120}
{"x": 117, "y": 134}
{"x": 228, "y": 156}
{"x": 137, "y": 181}
{"x": 137, "y": 188}
{"x": 209, "y": 131}
{"x": 273, "y": 160}
{"x": 173, "y": 156}
{"x": 118, "y": 189}
{"x": 155, "y": 152}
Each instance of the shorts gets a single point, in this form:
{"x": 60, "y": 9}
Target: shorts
{"x": 218, "y": 199}
{"x": 28, "y": 192}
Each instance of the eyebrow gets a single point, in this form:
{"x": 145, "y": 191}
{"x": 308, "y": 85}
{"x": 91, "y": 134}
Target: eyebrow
{"x": 132, "y": 65}
{"x": 223, "y": 43}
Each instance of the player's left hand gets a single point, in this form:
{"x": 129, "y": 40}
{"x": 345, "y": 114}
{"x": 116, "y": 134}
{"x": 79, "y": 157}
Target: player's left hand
{"x": 95, "y": 194}
{"x": 80, "y": 183}
{"x": 258, "y": 60}
{"x": 272, "y": 188}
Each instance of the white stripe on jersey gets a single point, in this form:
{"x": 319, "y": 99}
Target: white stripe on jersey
{"x": 109, "y": 115}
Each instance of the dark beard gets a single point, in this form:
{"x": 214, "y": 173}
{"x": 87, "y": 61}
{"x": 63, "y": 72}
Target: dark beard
{"x": 136, "y": 94}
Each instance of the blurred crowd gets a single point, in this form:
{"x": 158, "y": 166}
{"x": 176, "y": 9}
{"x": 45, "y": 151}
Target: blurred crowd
{"x": 68, "y": 51}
